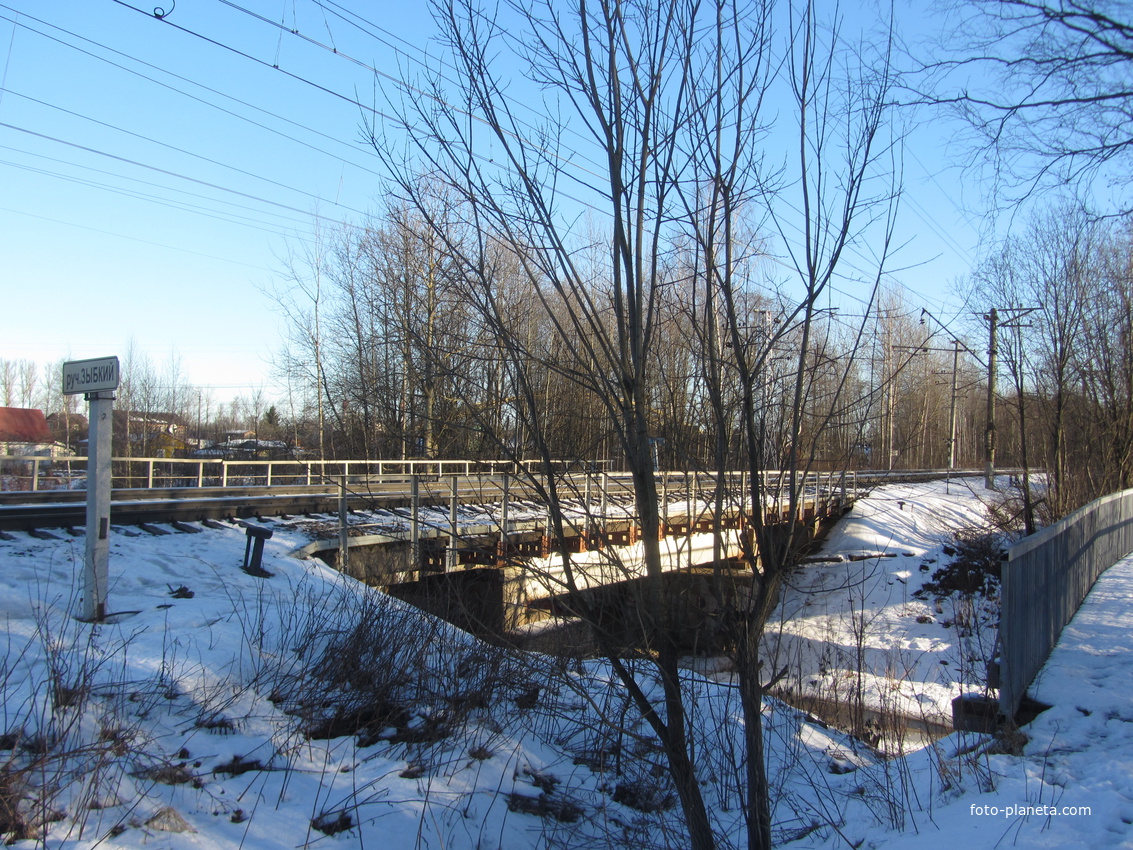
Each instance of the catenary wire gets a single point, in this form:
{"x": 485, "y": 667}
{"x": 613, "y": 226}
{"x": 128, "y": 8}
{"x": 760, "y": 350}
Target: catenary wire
{"x": 840, "y": 291}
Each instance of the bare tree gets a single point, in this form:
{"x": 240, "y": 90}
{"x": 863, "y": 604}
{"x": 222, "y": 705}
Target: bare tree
{"x": 1099, "y": 440}
{"x": 27, "y": 372}
{"x": 300, "y": 300}
{"x": 1047, "y": 88}
{"x": 8, "y": 371}
{"x": 1062, "y": 261}
{"x": 670, "y": 98}
{"x": 624, "y": 70}
{"x": 843, "y": 172}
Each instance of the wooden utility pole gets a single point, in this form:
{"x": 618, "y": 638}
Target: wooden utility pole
{"x": 952, "y": 406}
{"x": 992, "y": 350}
{"x": 1013, "y": 314}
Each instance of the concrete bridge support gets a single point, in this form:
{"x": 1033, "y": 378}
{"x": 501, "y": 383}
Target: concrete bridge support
{"x": 496, "y": 582}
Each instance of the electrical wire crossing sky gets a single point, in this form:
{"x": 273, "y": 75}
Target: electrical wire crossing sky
{"x": 161, "y": 168}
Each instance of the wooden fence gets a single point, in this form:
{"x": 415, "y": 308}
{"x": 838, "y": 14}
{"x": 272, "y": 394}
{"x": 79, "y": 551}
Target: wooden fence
{"x": 1046, "y": 577}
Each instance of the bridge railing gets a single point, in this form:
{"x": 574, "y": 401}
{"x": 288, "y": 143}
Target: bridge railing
{"x": 39, "y": 473}
{"x": 1046, "y": 577}
{"x": 35, "y": 472}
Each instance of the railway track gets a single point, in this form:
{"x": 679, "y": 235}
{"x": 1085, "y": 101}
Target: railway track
{"x": 24, "y": 511}
{"x": 155, "y": 509}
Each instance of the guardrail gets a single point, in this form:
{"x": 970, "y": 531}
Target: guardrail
{"x": 1046, "y": 577}
{"x": 32, "y": 473}
{"x": 35, "y": 473}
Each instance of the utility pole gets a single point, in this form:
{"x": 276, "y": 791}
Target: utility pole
{"x": 955, "y": 352}
{"x": 890, "y": 405}
{"x": 992, "y": 317}
{"x": 989, "y": 471}
{"x": 952, "y": 407}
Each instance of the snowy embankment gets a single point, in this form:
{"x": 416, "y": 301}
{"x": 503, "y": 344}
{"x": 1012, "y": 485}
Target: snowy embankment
{"x": 219, "y": 709}
{"x": 1066, "y": 778}
{"x": 854, "y": 623}
{"x": 1069, "y": 781}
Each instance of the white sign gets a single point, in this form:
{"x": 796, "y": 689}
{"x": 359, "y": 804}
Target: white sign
{"x": 90, "y": 376}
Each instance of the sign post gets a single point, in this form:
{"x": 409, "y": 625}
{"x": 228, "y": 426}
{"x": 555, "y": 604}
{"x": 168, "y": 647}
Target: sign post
{"x": 97, "y": 380}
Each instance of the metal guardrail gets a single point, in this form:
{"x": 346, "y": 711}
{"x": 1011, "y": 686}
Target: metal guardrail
{"x": 1046, "y": 577}
{"x": 33, "y": 473}
{"x": 196, "y": 488}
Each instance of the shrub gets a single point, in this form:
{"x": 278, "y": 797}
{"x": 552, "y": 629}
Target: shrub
{"x": 975, "y": 567}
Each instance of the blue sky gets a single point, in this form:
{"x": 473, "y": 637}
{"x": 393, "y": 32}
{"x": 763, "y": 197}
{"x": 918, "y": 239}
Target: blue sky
{"x": 139, "y": 202}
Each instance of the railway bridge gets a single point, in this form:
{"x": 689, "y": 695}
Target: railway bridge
{"x": 471, "y": 541}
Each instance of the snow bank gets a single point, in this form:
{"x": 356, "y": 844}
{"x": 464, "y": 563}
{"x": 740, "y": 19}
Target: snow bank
{"x": 211, "y": 704}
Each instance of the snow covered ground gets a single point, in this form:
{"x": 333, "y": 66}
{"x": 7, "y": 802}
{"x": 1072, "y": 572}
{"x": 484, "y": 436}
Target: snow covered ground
{"x": 219, "y": 709}
{"x": 858, "y": 610}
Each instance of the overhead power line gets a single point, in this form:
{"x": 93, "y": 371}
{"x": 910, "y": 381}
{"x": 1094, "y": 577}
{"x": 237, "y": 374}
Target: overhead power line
{"x": 237, "y": 115}
{"x": 165, "y": 171}
{"x": 353, "y": 101}
{"x": 131, "y": 238}
{"x": 184, "y": 151}
{"x": 184, "y": 206}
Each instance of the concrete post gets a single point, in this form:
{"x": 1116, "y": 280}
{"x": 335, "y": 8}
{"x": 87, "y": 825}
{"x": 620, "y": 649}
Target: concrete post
{"x": 602, "y": 538}
{"x": 546, "y": 550}
{"x": 584, "y": 540}
{"x": 96, "y": 574}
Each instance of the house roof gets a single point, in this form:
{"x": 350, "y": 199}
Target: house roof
{"x": 148, "y": 419}
{"x": 76, "y": 420}
{"x": 23, "y": 425}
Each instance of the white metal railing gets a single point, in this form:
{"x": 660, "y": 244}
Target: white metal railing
{"x": 34, "y": 472}
{"x": 37, "y": 473}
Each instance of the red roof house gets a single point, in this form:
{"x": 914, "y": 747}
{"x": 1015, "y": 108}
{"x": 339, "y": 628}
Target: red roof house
{"x": 23, "y": 425}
